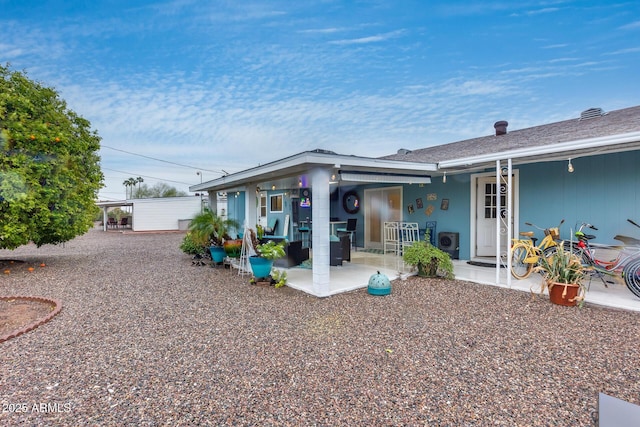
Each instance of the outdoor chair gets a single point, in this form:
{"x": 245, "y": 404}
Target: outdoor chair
{"x": 124, "y": 222}
{"x": 351, "y": 230}
{"x": 270, "y": 229}
{"x": 391, "y": 237}
{"x": 409, "y": 233}
{"x": 111, "y": 222}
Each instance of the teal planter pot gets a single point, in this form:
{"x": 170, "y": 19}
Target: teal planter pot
{"x": 217, "y": 254}
{"x": 261, "y": 267}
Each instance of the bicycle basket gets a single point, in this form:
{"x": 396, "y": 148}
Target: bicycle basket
{"x": 553, "y": 232}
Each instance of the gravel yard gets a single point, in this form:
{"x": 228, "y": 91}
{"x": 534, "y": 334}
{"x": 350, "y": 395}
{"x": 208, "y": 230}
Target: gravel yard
{"x": 145, "y": 338}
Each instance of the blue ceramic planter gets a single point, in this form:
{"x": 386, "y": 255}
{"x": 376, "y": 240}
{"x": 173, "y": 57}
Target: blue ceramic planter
{"x": 261, "y": 267}
{"x": 379, "y": 284}
{"x": 217, "y": 254}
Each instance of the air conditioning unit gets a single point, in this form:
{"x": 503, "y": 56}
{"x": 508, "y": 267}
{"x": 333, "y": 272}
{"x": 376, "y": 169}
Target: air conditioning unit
{"x": 449, "y": 242}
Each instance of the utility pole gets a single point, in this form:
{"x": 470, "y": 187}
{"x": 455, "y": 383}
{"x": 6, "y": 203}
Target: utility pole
{"x": 201, "y": 203}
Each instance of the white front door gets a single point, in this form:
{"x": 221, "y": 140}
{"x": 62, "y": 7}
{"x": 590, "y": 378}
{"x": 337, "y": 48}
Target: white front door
{"x": 380, "y": 205}
{"x": 262, "y": 208}
{"x": 488, "y": 193}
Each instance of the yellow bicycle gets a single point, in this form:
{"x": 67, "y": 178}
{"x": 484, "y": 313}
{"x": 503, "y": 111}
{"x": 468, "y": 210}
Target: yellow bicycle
{"x": 525, "y": 254}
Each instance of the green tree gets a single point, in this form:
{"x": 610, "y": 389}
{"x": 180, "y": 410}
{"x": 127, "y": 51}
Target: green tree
{"x": 49, "y": 166}
{"x": 159, "y": 189}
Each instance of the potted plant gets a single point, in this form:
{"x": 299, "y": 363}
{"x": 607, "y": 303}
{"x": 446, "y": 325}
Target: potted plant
{"x": 262, "y": 263}
{"x": 562, "y": 273}
{"x": 430, "y": 261}
{"x": 209, "y": 229}
{"x": 190, "y": 247}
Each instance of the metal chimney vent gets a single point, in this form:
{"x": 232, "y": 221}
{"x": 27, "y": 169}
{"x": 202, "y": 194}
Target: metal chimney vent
{"x": 501, "y": 127}
{"x": 591, "y": 113}
{"x": 404, "y": 151}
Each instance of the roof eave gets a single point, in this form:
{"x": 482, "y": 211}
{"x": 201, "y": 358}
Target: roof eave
{"x": 302, "y": 162}
{"x": 545, "y": 150}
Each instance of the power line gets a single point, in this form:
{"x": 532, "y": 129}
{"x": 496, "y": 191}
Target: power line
{"x": 147, "y": 176}
{"x": 164, "y": 161}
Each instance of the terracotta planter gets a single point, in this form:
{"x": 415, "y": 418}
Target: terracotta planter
{"x": 564, "y": 293}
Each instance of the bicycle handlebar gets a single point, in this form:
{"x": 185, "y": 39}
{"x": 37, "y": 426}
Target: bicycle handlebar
{"x": 586, "y": 224}
{"x": 540, "y": 228}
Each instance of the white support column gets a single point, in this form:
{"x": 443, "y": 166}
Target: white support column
{"x": 498, "y": 219}
{"x": 250, "y": 207}
{"x": 510, "y": 218}
{"x": 320, "y": 231}
{"x": 105, "y": 218}
{"x": 212, "y": 197}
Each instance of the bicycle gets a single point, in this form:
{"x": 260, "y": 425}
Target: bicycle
{"x": 625, "y": 265}
{"x": 525, "y": 254}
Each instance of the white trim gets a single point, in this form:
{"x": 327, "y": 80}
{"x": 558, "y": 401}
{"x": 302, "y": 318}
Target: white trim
{"x": 384, "y": 178}
{"x": 581, "y": 144}
{"x": 281, "y": 195}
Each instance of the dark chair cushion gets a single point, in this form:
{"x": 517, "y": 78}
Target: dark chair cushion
{"x": 295, "y": 254}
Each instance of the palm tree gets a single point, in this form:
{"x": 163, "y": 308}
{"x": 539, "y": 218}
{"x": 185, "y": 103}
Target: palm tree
{"x": 139, "y": 180}
{"x": 207, "y": 228}
{"x": 130, "y": 182}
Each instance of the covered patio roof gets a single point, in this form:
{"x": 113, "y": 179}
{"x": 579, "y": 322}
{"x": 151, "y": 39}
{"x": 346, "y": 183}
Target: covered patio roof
{"x": 293, "y": 171}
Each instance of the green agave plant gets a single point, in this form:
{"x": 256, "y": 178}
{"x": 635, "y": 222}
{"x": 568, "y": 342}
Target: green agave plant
{"x": 561, "y": 266}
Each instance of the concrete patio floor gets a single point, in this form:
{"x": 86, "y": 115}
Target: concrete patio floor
{"x": 355, "y": 275}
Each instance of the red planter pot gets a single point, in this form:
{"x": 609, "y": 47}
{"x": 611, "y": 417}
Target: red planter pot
{"x": 564, "y": 293}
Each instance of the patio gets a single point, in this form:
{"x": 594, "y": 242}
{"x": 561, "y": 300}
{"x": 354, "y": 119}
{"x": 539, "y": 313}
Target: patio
{"x": 355, "y": 275}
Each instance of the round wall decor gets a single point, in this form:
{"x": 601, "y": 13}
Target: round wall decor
{"x": 351, "y": 202}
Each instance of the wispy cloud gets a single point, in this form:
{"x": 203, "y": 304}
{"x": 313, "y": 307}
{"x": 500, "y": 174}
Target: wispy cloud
{"x": 541, "y": 11}
{"x": 631, "y": 26}
{"x": 331, "y": 30}
{"x": 370, "y": 39}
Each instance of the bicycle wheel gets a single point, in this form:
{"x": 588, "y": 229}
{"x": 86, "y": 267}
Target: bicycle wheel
{"x": 519, "y": 268}
{"x": 631, "y": 274}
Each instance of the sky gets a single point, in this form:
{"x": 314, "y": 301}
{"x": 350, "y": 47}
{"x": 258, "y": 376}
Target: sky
{"x": 178, "y": 87}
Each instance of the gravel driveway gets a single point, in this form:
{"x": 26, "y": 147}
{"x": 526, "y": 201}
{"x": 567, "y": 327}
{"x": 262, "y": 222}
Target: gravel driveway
{"x": 145, "y": 338}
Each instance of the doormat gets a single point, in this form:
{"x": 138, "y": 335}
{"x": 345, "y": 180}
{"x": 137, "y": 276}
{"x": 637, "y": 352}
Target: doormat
{"x": 483, "y": 264}
{"x": 373, "y": 251}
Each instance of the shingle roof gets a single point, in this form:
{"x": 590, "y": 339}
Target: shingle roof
{"x": 611, "y": 123}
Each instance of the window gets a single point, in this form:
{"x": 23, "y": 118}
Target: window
{"x": 262, "y": 206}
{"x": 276, "y": 203}
{"x": 491, "y": 200}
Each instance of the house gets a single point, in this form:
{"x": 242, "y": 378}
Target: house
{"x": 156, "y": 214}
{"x": 478, "y": 192}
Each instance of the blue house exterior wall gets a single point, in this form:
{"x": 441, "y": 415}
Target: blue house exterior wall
{"x": 602, "y": 190}
{"x": 454, "y": 219}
